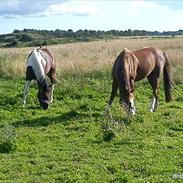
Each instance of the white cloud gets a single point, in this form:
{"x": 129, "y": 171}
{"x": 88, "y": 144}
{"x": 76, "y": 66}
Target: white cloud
{"x": 92, "y": 14}
{"x": 150, "y": 15}
{"x": 10, "y": 4}
{"x": 17, "y": 8}
{"x": 140, "y": 6}
{"x": 70, "y": 9}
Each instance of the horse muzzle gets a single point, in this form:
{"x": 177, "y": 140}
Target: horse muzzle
{"x": 132, "y": 111}
{"x": 129, "y": 108}
{"x": 44, "y": 104}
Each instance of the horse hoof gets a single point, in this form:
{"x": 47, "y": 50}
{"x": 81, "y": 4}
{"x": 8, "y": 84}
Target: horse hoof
{"x": 151, "y": 110}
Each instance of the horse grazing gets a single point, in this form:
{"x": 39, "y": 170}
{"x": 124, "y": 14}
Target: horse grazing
{"x": 132, "y": 66}
{"x": 40, "y": 63}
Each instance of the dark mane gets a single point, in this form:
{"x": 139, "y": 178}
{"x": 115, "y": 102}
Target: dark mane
{"x": 29, "y": 54}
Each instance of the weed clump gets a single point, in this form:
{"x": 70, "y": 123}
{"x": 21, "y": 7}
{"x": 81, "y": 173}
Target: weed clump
{"x": 108, "y": 135}
{"x": 7, "y": 141}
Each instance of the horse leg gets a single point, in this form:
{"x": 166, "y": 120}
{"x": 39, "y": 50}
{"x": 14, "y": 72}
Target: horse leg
{"x": 108, "y": 107}
{"x": 52, "y": 94}
{"x": 113, "y": 93}
{"x": 155, "y": 102}
{"x": 154, "y": 82}
{"x": 26, "y": 89}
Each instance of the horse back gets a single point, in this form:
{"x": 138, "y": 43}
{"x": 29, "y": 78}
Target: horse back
{"x": 48, "y": 57}
{"x": 39, "y": 63}
{"x": 149, "y": 59}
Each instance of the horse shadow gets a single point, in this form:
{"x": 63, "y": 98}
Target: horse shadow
{"x": 64, "y": 118}
{"x": 46, "y": 120}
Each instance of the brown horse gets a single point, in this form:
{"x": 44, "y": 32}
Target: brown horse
{"x": 131, "y": 66}
{"x": 40, "y": 63}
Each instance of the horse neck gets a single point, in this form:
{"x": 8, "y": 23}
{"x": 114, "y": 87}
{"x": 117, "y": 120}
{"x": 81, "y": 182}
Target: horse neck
{"x": 120, "y": 72}
{"x": 129, "y": 70}
{"x": 42, "y": 83}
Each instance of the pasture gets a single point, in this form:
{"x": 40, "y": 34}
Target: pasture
{"x": 69, "y": 141}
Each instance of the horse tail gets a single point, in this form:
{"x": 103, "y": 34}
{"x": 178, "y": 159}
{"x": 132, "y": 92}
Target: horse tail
{"x": 168, "y": 84}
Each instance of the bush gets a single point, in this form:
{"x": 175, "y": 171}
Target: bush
{"x": 25, "y": 38}
{"x": 14, "y": 43}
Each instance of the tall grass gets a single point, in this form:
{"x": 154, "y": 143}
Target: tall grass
{"x": 12, "y": 63}
{"x": 92, "y": 57}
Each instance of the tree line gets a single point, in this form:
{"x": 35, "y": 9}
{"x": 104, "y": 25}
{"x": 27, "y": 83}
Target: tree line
{"x": 98, "y": 33}
{"x": 33, "y": 37}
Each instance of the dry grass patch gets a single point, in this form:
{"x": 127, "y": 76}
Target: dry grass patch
{"x": 92, "y": 56}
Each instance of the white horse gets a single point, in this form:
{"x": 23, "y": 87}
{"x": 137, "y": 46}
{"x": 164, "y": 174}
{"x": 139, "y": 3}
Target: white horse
{"x": 40, "y": 63}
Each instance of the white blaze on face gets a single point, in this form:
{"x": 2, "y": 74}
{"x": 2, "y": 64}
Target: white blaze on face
{"x": 132, "y": 106}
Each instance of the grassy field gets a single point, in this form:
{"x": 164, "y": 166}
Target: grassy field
{"x": 68, "y": 142}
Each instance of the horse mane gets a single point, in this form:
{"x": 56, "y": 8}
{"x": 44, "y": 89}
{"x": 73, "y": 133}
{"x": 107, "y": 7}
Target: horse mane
{"x": 130, "y": 62}
{"x": 128, "y": 70}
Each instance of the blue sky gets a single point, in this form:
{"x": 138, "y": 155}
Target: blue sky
{"x": 160, "y": 15}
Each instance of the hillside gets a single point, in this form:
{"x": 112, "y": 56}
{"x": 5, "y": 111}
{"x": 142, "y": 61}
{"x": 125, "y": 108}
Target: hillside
{"x": 31, "y": 37}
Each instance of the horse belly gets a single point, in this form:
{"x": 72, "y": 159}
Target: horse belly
{"x": 143, "y": 70}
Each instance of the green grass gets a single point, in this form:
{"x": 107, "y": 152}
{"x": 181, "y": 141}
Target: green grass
{"x": 68, "y": 142}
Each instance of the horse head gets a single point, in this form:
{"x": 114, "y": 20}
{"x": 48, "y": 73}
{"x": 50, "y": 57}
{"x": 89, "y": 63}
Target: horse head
{"x": 45, "y": 95}
{"x": 40, "y": 63}
{"x": 127, "y": 102}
